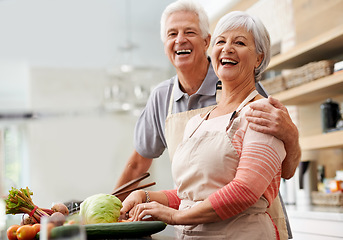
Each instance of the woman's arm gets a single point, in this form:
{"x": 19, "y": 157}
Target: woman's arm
{"x": 271, "y": 117}
{"x": 258, "y": 174}
{"x": 201, "y": 213}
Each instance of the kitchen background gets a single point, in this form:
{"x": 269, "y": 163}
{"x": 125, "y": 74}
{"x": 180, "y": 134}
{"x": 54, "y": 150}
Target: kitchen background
{"x": 75, "y": 74}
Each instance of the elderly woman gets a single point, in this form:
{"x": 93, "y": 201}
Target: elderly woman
{"x": 226, "y": 174}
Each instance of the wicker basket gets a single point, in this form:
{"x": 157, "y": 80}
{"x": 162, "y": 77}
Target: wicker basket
{"x": 274, "y": 85}
{"x": 327, "y": 199}
{"x": 309, "y": 72}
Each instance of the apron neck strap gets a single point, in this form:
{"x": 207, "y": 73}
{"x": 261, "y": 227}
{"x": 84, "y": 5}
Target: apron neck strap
{"x": 203, "y": 119}
{"x": 171, "y": 100}
{"x": 246, "y": 100}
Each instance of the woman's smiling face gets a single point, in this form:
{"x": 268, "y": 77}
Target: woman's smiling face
{"x": 234, "y": 55}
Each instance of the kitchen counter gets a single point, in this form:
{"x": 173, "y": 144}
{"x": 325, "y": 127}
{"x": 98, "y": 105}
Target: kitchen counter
{"x": 316, "y": 212}
{"x": 316, "y": 222}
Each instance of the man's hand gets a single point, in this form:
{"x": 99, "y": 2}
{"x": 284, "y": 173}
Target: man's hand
{"x": 269, "y": 116}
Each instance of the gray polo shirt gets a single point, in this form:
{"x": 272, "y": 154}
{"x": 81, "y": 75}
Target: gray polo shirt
{"x": 149, "y": 135}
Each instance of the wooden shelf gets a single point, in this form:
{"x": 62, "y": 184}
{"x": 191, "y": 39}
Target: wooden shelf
{"x": 316, "y": 90}
{"x": 321, "y": 141}
{"x": 324, "y": 46}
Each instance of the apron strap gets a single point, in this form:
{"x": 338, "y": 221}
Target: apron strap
{"x": 203, "y": 119}
{"x": 246, "y": 100}
{"x": 171, "y": 100}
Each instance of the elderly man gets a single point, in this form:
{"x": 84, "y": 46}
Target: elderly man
{"x": 173, "y": 102}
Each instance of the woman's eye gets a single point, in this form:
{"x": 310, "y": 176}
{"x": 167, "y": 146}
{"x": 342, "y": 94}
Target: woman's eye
{"x": 220, "y": 42}
{"x": 240, "y": 43}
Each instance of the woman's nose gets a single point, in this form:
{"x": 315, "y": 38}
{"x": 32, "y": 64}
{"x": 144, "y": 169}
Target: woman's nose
{"x": 227, "y": 48}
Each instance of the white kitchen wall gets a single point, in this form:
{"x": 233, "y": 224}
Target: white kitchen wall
{"x": 81, "y": 33}
{"x": 14, "y": 85}
{"x": 59, "y": 53}
{"x": 76, "y": 150}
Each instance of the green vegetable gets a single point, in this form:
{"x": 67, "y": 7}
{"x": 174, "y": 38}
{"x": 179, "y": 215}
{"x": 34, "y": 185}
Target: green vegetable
{"x": 111, "y": 230}
{"x": 100, "y": 208}
{"x": 64, "y": 232}
{"x": 124, "y": 229}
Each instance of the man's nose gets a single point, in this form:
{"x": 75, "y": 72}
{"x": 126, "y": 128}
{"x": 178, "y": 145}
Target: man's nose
{"x": 180, "y": 38}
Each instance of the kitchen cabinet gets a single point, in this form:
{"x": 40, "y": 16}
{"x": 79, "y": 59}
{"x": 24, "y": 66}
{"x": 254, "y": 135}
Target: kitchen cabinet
{"x": 306, "y": 221}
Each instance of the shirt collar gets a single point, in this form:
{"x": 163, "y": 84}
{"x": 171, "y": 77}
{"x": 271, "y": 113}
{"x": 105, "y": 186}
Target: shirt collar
{"x": 208, "y": 86}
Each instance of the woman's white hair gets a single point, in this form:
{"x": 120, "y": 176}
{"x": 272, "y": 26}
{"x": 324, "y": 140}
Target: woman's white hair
{"x": 253, "y": 25}
{"x": 189, "y": 6}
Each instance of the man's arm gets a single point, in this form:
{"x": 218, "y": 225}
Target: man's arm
{"x": 135, "y": 166}
{"x": 271, "y": 117}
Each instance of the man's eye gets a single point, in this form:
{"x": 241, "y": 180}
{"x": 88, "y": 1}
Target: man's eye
{"x": 190, "y": 32}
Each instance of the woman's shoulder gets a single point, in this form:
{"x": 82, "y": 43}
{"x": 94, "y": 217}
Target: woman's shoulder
{"x": 259, "y": 99}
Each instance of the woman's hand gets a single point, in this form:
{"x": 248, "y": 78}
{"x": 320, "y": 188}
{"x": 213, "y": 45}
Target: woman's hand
{"x": 157, "y": 211}
{"x": 135, "y": 198}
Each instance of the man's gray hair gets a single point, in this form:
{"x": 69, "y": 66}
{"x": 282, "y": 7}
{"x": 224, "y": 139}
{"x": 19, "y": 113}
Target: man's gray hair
{"x": 253, "y": 25}
{"x": 189, "y": 6}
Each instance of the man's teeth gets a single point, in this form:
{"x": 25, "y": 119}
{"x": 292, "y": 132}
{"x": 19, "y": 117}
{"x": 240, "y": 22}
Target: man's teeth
{"x": 225, "y": 61}
{"x": 183, "y": 52}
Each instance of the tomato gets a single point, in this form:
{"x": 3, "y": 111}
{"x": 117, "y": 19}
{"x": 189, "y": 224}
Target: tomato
{"x": 36, "y": 226}
{"x": 12, "y": 232}
{"x": 26, "y": 232}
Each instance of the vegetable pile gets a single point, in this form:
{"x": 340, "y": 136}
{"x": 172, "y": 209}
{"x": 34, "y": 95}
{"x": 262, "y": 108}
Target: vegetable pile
{"x": 20, "y": 201}
{"x": 99, "y": 208}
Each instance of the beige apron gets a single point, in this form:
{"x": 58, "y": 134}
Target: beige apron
{"x": 174, "y": 130}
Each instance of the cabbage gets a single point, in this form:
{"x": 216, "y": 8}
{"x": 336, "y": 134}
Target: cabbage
{"x": 100, "y": 208}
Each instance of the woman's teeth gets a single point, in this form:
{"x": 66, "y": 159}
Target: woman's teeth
{"x": 228, "y": 61}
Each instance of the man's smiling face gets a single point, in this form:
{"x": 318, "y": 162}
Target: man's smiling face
{"x": 184, "y": 44}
